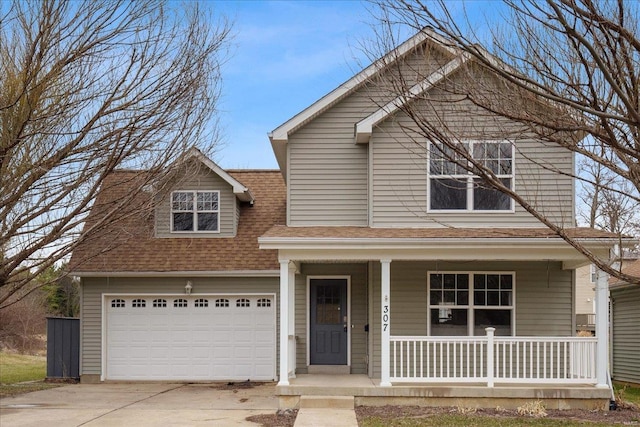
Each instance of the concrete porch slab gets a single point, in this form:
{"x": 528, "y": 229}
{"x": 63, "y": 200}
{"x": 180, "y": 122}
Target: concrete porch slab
{"x": 367, "y": 391}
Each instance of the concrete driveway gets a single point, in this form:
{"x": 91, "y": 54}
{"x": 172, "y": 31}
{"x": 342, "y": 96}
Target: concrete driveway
{"x": 139, "y": 405}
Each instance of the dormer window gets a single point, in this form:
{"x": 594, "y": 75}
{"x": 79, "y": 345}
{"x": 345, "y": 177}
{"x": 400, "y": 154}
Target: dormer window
{"x": 453, "y": 188}
{"x": 195, "y": 211}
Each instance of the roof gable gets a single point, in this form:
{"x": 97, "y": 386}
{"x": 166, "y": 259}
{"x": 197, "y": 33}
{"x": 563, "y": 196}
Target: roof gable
{"x": 364, "y": 127}
{"x": 240, "y": 190}
{"x": 108, "y": 251}
{"x": 279, "y": 136}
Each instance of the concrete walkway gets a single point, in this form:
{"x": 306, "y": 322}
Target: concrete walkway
{"x": 320, "y": 411}
{"x": 326, "y": 417}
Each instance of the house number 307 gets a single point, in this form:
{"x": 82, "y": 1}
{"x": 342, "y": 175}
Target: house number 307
{"x": 385, "y": 317}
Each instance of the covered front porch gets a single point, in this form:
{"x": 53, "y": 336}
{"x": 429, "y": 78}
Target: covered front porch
{"x": 427, "y": 337}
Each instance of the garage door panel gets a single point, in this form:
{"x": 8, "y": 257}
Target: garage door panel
{"x": 191, "y": 338}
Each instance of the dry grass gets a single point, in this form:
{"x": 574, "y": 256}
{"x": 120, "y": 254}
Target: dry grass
{"x": 533, "y": 409}
{"x": 22, "y": 374}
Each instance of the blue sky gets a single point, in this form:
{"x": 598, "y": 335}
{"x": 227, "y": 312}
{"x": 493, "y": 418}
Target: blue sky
{"x": 285, "y": 55}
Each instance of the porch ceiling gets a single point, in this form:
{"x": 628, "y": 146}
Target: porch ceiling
{"x": 480, "y": 244}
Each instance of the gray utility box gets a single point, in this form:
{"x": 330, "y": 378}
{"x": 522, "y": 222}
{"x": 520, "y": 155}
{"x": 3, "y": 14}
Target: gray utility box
{"x": 63, "y": 347}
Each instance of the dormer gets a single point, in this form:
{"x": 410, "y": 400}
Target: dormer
{"x": 201, "y": 201}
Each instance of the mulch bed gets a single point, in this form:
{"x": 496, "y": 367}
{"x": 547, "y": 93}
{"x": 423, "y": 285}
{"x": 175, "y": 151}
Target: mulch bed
{"x": 282, "y": 418}
{"x": 237, "y": 385}
{"x": 625, "y": 416}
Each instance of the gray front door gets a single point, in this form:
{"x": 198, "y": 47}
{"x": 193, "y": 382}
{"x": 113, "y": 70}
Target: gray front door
{"x": 329, "y": 316}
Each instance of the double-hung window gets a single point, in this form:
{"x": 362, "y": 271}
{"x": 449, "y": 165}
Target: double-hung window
{"x": 195, "y": 211}
{"x": 462, "y": 304}
{"x": 453, "y": 188}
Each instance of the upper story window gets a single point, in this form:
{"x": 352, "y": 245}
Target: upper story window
{"x": 452, "y": 188}
{"x": 195, "y": 211}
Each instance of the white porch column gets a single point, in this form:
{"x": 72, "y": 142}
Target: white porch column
{"x": 284, "y": 322}
{"x": 602, "y": 328}
{"x": 385, "y": 322}
{"x": 292, "y": 320}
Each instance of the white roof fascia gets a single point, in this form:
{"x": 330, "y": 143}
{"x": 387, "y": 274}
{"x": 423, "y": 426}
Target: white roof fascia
{"x": 364, "y": 128}
{"x": 230, "y": 273}
{"x": 408, "y": 243}
{"x": 241, "y": 192}
{"x": 282, "y": 132}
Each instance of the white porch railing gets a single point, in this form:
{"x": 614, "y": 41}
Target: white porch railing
{"x": 493, "y": 359}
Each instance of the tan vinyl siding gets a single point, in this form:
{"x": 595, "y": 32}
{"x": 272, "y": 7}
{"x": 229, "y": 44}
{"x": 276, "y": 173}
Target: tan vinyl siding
{"x": 357, "y": 311}
{"x": 543, "y": 298}
{"x": 400, "y": 180}
{"x": 205, "y": 180}
{"x": 327, "y": 170}
{"x": 93, "y": 288}
{"x": 585, "y": 293}
{"x": 626, "y": 334}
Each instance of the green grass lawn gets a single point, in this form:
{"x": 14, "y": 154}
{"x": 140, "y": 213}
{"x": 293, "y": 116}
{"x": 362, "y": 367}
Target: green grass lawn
{"x": 628, "y": 393}
{"x": 18, "y": 369}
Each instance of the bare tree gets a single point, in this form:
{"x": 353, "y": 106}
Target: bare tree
{"x": 599, "y": 207}
{"x": 567, "y": 74}
{"x": 86, "y": 88}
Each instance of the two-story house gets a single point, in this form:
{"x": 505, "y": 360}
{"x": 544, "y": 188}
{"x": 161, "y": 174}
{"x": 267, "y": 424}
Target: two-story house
{"x": 365, "y": 256}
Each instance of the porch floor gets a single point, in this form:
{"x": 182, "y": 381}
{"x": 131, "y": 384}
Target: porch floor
{"x": 367, "y": 391}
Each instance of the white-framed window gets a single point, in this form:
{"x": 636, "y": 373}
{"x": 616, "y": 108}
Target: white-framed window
{"x": 159, "y": 303}
{"x": 138, "y": 303}
{"x": 264, "y": 302}
{"x": 243, "y": 302}
{"x": 465, "y": 303}
{"x": 180, "y": 303}
{"x": 195, "y": 211}
{"x": 592, "y": 273}
{"x": 201, "y": 302}
{"x": 117, "y": 303}
{"x": 452, "y": 188}
{"x": 222, "y": 302}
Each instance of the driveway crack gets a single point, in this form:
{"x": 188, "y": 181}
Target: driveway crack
{"x": 133, "y": 403}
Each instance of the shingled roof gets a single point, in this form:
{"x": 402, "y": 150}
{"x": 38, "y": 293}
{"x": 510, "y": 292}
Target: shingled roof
{"x": 283, "y": 232}
{"x": 632, "y": 269}
{"x": 131, "y": 246}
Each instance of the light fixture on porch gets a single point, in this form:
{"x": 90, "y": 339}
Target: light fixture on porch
{"x": 188, "y": 287}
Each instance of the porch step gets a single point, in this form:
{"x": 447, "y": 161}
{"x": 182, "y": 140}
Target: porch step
{"x": 327, "y": 402}
{"x": 329, "y": 369}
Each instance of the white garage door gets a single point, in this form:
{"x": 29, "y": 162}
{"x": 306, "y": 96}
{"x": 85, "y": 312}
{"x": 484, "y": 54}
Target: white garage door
{"x": 213, "y": 337}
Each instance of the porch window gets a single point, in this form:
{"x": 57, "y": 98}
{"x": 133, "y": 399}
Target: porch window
{"x": 195, "y": 211}
{"x": 453, "y": 188}
{"x": 462, "y": 304}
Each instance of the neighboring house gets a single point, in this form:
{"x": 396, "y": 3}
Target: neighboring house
{"x": 585, "y": 292}
{"x": 585, "y": 298}
{"x": 625, "y": 319}
{"x": 382, "y": 266}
